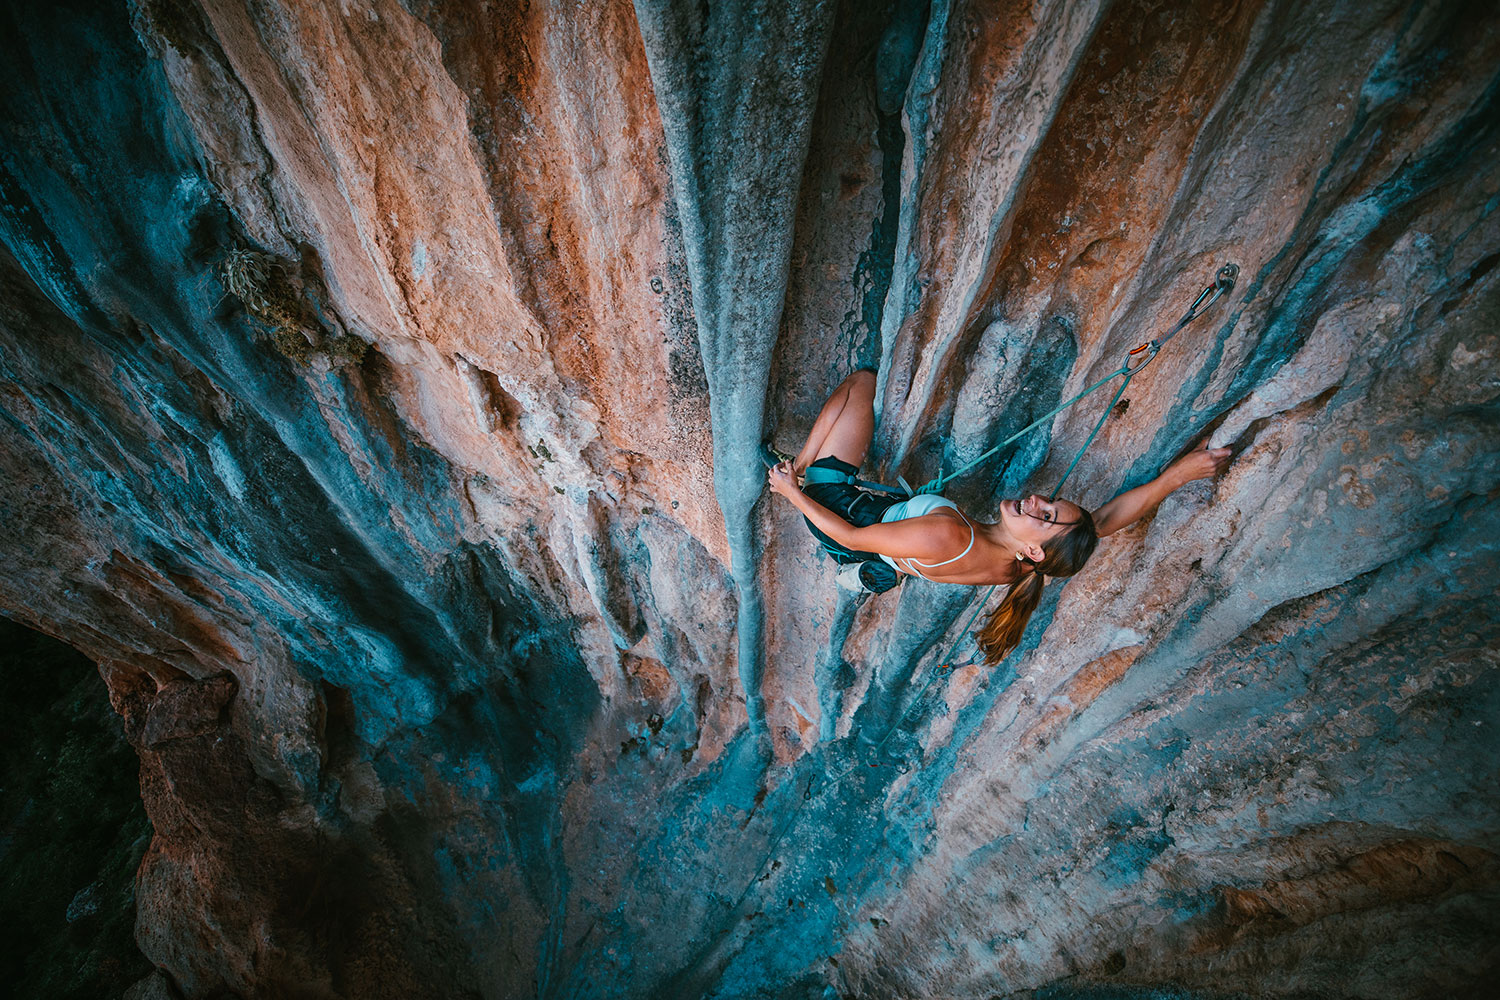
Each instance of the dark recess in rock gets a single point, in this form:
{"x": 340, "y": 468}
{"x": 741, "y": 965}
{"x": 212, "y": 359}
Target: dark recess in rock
{"x": 72, "y": 829}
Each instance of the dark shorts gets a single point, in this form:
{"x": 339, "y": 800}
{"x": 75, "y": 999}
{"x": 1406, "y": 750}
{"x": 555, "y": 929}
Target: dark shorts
{"x": 861, "y": 508}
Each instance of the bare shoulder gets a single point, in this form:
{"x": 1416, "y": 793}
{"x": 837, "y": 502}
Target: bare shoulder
{"x": 947, "y": 525}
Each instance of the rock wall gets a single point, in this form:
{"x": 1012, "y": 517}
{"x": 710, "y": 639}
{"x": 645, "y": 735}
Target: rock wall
{"x": 382, "y": 387}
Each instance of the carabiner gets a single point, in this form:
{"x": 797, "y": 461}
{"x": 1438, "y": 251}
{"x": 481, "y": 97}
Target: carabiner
{"x": 1150, "y": 346}
{"x": 1193, "y": 309}
{"x": 1224, "y": 280}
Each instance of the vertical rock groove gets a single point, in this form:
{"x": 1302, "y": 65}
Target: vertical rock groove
{"x": 736, "y": 86}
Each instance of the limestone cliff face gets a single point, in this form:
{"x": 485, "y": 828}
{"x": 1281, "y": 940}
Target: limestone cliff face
{"x": 382, "y": 387}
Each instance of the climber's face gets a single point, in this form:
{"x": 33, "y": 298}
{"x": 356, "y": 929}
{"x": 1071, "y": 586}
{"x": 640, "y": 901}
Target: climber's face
{"x": 1034, "y": 520}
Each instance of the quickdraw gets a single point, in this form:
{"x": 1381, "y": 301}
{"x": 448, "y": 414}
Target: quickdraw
{"x": 1223, "y": 284}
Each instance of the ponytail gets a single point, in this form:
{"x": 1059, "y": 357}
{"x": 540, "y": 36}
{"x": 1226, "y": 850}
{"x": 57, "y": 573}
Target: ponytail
{"x": 1003, "y": 628}
{"x": 1064, "y": 556}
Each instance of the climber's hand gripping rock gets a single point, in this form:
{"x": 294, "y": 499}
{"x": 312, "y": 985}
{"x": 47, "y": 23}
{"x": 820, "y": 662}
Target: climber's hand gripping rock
{"x": 782, "y": 480}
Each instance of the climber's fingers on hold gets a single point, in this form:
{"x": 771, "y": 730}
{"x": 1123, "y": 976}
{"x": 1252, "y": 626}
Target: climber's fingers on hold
{"x": 780, "y": 478}
{"x": 1202, "y": 463}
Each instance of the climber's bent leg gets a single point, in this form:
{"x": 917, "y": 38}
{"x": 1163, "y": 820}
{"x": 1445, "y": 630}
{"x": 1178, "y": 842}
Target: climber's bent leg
{"x": 844, "y": 426}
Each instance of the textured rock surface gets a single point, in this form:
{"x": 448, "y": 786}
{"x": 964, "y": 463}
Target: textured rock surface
{"x": 470, "y": 663}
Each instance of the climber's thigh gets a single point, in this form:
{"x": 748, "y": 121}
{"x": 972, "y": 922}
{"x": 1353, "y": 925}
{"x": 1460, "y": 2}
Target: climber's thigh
{"x": 854, "y": 424}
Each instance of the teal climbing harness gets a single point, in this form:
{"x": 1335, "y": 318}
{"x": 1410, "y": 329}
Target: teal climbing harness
{"x": 817, "y": 474}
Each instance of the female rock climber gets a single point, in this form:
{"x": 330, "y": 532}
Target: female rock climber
{"x": 876, "y": 536}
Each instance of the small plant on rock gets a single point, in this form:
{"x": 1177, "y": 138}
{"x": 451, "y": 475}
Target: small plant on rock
{"x": 277, "y": 300}
{"x": 264, "y": 284}
{"x": 346, "y": 349}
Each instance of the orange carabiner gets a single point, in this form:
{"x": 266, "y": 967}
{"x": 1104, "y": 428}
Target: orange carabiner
{"x": 1131, "y": 367}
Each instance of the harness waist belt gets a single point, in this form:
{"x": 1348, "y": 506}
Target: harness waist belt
{"x": 819, "y": 474}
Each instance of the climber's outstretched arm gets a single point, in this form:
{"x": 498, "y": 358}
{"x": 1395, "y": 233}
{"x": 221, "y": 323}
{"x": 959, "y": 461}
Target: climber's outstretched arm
{"x": 1132, "y": 505}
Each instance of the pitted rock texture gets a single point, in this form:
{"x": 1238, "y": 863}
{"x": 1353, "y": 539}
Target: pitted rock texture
{"x": 465, "y": 655}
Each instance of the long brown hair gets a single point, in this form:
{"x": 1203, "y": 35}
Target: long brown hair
{"x": 1063, "y": 555}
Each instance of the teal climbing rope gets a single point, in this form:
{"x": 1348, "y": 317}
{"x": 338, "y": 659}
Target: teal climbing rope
{"x": 1135, "y": 362}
